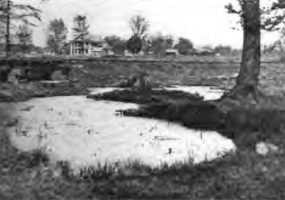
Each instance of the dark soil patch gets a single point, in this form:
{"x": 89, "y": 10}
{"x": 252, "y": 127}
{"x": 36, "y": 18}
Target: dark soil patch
{"x": 197, "y": 115}
{"x": 244, "y": 125}
{"x": 177, "y": 106}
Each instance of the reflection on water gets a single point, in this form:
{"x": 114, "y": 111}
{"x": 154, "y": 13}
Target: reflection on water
{"x": 87, "y": 132}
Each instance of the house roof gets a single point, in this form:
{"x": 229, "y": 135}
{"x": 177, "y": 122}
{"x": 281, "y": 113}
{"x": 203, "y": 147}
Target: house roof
{"x": 171, "y": 51}
{"x": 90, "y": 38}
{"x": 97, "y": 49}
{"x": 201, "y": 50}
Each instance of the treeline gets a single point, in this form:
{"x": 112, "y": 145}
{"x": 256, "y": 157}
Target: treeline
{"x": 140, "y": 41}
{"x": 17, "y": 38}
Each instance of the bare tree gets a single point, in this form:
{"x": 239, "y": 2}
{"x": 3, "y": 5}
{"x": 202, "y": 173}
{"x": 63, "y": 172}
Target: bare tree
{"x": 11, "y": 12}
{"x": 139, "y": 26}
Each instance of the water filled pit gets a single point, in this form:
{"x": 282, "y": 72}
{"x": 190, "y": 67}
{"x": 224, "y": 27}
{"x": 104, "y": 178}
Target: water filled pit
{"x": 85, "y": 132}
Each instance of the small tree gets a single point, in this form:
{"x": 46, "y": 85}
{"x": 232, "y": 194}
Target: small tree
{"x": 183, "y": 46}
{"x": 159, "y": 45}
{"x": 118, "y": 44}
{"x": 24, "y": 35}
{"x": 134, "y": 44}
{"x": 57, "y": 35}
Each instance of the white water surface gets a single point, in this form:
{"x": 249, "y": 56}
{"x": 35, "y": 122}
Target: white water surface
{"x": 86, "y": 132}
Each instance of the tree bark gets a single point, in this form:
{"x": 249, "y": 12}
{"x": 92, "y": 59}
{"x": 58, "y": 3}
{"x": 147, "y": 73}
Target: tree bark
{"x": 247, "y": 82}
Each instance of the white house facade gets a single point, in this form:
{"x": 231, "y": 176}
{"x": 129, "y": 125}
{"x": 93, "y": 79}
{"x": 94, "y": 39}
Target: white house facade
{"x": 89, "y": 46}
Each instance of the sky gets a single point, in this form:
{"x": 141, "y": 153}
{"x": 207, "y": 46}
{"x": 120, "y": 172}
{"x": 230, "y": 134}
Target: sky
{"x": 204, "y": 22}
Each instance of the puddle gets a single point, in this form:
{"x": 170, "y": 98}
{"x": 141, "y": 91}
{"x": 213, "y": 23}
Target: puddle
{"x": 94, "y": 91}
{"x": 87, "y": 132}
{"x": 208, "y": 92}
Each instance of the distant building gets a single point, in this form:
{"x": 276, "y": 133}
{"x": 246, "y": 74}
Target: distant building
{"x": 192, "y": 52}
{"x": 150, "y": 53}
{"x": 90, "y": 46}
{"x": 171, "y": 52}
{"x": 127, "y": 53}
{"x": 204, "y": 52}
{"x": 141, "y": 53}
{"x": 109, "y": 51}
{"x": 49, "y": 53}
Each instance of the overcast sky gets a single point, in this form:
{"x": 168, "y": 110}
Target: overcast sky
{"x": 203, "y": 21}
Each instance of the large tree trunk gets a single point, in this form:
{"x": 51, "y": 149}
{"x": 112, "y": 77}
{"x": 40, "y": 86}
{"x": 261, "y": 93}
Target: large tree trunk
{"x": 247, "y": 81}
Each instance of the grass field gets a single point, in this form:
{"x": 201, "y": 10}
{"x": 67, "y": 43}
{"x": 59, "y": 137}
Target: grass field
{"x": 221, "y": 74}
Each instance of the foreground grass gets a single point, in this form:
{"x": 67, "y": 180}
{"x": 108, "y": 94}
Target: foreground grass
{"x": 244, "y": 175}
